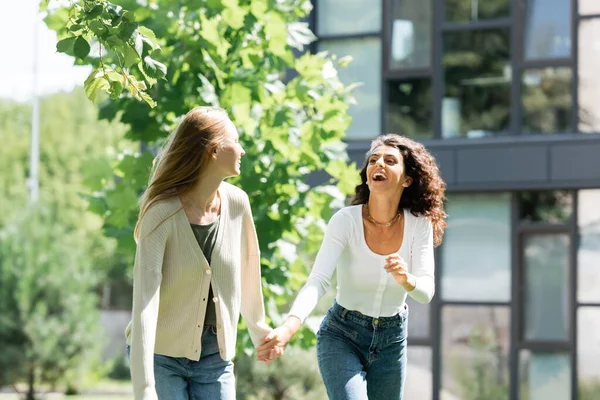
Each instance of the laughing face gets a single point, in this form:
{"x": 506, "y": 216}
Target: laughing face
{"x": 228, "y": 156}
{"x": 385, "y": 170}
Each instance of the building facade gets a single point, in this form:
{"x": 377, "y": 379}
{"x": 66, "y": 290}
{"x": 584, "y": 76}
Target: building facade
{"x": 506, "y": 95}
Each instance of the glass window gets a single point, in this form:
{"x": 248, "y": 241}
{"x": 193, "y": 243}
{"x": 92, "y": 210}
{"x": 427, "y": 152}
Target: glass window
{"x": 588, "y": 353}
{"x": 544, "y": 375}
{"x": 365, "y": 67}
{"x": 419, "y": 380}
{"x": 334, "y": 16}
{"x": 546, "y": 291}
{"x": 554, "y": 206}
{"x": 418, "y": 325}
{"x": 589, "y": 84}
{"x": 410, "y": 30}
{"x": 477, "y": 77}
{"x": 476, "y": 262}
{"x": 476, "y": 10}
{"x": 409, "y": 108}
{"x": 588, "y": 253}
{"x": 589, "y": 7}
{"x": 547, "y": 101}
{"x": 547, "y": 29}
{"x": 475, "y": 352}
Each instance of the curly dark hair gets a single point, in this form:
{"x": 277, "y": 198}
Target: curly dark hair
{"x": 425, "y": 195}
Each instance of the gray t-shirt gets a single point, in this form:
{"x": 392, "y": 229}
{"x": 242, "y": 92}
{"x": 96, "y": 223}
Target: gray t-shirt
{"x": 206, "y": 235}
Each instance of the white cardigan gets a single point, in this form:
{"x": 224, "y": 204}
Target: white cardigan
{"x": 171, "y": 284}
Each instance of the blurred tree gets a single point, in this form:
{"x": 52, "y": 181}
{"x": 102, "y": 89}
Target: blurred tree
{"x": 48, "y": 312}
{"x": 291, "y": 112}
{"x": 52, "y": 260}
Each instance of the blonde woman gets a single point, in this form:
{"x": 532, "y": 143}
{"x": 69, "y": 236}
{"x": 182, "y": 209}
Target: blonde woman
{"x": 197, "y": 266}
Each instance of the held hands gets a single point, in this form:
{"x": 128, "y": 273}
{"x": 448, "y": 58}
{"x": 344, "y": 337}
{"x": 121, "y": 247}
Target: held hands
{"x": 395, "y": 265}
{"x": 274, "y": 343}
{"x": 270, "y": 351}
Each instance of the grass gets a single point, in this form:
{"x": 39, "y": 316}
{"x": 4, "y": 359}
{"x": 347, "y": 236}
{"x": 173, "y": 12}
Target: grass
{"x": 108, "y": 389}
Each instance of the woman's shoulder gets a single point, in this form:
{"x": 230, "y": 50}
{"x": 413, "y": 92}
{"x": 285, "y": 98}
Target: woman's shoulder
{"x": 233, "y": 193}
{"x": 163, "y": 208}
{"x": 157, "y": 215}
{"x": 418, "y": 220}
{"x": 347, "y": 215}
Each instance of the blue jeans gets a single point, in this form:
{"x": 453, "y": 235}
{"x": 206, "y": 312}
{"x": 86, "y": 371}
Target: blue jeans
{"x": 182, "y": 379}
{"x": 361, "y": 357}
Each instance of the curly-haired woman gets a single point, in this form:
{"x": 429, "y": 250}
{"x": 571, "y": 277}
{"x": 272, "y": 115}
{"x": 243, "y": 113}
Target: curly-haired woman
{"x": 383, "y": 248}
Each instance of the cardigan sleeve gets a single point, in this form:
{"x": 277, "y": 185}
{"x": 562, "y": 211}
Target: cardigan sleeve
{"x": 252, "y": 307}
{"x": 423, "y": 264}
{"x": 147, "y": 275}
{"x": 337, "y": 235}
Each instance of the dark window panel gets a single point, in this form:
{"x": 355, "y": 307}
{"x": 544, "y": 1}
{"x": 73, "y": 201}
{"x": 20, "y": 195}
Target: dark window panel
{"x": 546, "y": 291}
{"x": 552, "y": 206}
{"x": 410, "y": 30}
{"x": 544, "y": 375}
{"x": 476, "y": 10}
{"x": 476, "y": 250}
{"x": 547, "y": 29}
{"x": 477, "y": 76}
{"x": 547, "y": 102}
{"x": 347, "y": 17}
{"x": 475, "y": 351}
{"x": 409, "y": 108}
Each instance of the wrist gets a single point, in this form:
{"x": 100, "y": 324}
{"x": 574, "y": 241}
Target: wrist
{"x": 411, "y": 283}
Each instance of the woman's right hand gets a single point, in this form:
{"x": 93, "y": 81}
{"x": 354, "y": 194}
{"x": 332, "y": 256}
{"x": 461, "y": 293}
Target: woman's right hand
{"x": 278, "y": 338}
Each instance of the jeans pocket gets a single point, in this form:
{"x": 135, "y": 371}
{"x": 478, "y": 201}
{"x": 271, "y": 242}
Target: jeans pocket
{"x": 398, "y": 335}
{"x": 338, "y": 328}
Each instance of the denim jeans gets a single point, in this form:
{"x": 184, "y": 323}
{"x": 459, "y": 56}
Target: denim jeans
{"x": 361, "y": 357}
{"x": 210, "y": 378}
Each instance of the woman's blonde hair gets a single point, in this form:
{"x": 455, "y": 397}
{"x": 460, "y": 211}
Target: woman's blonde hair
{"x": 186, "y": 152}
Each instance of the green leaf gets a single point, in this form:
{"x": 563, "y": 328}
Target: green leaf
{"x": 115, "y": 90}
{"x": 131, "y": 57}
{"x": 94, "y": 12}
{"x": 65, "y": 45}
{"x": 76, "y": 28}
{"x": 94, "y": 84}
{"x": 234, "y": 14}
{"x": 149, "y": 37}
{"x": 146, "y": 97}
{"x": 153, "y": 68}
{"x": 98, "y": 28}
{"x": 259, "y": 8}
{"x": 81, "y": 48}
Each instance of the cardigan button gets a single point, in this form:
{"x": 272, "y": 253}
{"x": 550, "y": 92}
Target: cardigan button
{"x": 207, "y": 272}
{"x": 216, "y": 299}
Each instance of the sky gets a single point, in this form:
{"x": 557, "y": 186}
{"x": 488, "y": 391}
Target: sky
{"x": 56, "y": 72}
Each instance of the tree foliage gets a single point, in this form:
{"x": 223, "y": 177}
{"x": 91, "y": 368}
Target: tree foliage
{"x": 291, "y": 112}
{"x": 48, "y": 312}
{"x": 52, "y": 257}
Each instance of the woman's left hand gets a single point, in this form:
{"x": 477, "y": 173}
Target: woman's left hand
{"x": 395, "y": 265}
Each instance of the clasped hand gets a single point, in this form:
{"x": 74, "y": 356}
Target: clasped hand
{"x": 273, "y": 344}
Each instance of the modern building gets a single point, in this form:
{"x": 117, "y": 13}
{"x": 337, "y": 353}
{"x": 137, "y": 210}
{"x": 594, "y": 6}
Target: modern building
{"x": 506, "y": 95}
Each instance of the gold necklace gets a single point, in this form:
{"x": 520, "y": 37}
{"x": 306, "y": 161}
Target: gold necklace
{"x": 379, "y": 241}
{"x": 387, "y": 224}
